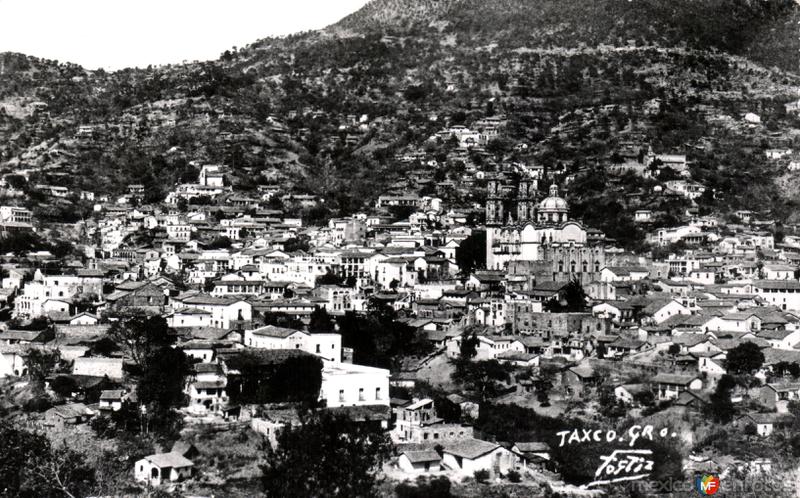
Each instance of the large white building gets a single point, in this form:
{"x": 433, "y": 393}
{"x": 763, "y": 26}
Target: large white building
{"x": 354, "y": 385}
{"x": 49, "y": 293}
{"x": 785, "y": 294}
{"x": 326, "y": 346}
{"x": 225, "y": 312}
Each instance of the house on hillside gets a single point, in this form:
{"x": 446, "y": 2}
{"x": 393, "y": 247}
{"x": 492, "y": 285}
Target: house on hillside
{"x": 163, "y": 467}
{"x": 61, "y": 416}
{"x": 419, "y": 461}
{"x": 669, "y": 386}
{"x": 469, "y": 455}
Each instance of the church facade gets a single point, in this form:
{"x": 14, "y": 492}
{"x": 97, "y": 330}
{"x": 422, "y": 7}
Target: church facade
{"x": 524, "y": 236}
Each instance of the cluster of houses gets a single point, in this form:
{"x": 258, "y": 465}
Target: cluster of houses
{"x": 213, "y": 271}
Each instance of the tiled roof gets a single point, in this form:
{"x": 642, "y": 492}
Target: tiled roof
{"x": 277, "y": 332}
{"x": 469, "y": 448}
{"x": 169, "y": 460}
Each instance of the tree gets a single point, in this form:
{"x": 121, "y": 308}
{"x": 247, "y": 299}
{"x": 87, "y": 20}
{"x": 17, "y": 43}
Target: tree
{"x": 282, "y": 320}
{"x": 720, "y": 407}
{"x": 296, "y": 244}
{"x": 325, "y": 456}
{"x": 471, "y": 253}
{"x": 468, "y": 347}
{"x": 85, "y": 301}
{"x": 378, "y": 339}
{"x": 610, "y": 407}
{"x": 297, "y": 380}
{"x": 329, "y": 279}
{"x": 485, "y": 378}
{"x": 572, "y": 299}
{"x": 30, "y": 468}
{"x": 674, "y": 349}
{"x": 140, "y": 336}
{"x": 601, "y": 350}
{"x": 645, "y": 397}
{"x": 64, "y": 386}
{"x": 222, "y": 242}
{"x": 162, "y": 381}
{"x": 19, "y": 448}
{"x": 543, "y": 385}
{"x": 320, "y": 321}
{"x": 61, "y": 472}
{"x": 41, "y": 363}
{"x": 745, "y": 359}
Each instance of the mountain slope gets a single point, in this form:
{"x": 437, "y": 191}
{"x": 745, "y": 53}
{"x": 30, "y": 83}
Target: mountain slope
{"x": 764, "y": 29}
{"x": 551, "y": 67}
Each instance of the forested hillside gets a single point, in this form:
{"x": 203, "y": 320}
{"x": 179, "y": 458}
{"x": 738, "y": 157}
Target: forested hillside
{"x": 572, "y": 78}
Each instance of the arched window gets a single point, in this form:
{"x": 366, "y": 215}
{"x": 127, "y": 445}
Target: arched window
{"x": 596, "y": 266}
{"x": 585, "y": 267}
{"x": 560, "y": 267}
{"x": 572, "y": 267}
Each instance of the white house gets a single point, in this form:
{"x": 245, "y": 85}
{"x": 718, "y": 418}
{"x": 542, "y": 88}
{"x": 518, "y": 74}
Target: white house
{"x": 327, "y": 346}
{"x": 12, "y": 361}
{"x": 764, "y": 422}
{"x": 225, "y": 311}
{"x": 626, "y": 393}
{"x": 111, "y": 400}
{"x": 781, "y": 339}
{"x": 661, "y": 309}
{"x": 778, "y": 272}
{"x": 419, "y": 462}
{"x": 354, "y": 385}
{"x": 84, "y": 319}
{"x": 670, "y": 386}
{"x": 711, "y": 363}
{"x": 469, "y": 455}
{"x": 163, "y": 467}
{"x": 623, "y": 273}
{"x": 785, "y": 294}
{"x": 489, "y": 347}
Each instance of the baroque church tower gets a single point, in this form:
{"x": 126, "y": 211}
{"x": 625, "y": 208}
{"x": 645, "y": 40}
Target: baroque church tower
{"x": 540, "y": 237}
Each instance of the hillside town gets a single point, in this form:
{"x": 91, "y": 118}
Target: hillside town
{"x": 243, "y": 290}
{"x": 566, "y": 266}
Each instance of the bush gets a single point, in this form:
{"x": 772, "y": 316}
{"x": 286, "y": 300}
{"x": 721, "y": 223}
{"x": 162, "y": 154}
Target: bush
{"x": 39, "y": 404}
{"x": 437, "y": 487}
{"x": 102, "y": 426}
{"x": 481, "y": 475}
{"x": 514, "y": 476}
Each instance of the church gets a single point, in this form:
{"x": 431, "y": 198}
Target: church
{"x": 524, "y": 236}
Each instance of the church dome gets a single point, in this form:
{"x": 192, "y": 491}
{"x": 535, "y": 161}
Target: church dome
{"x": 553, "y": 203}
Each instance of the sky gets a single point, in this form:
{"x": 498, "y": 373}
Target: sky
{"x": 114, "y": 34}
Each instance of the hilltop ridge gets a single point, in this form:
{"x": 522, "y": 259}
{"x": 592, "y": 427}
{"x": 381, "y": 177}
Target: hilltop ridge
{"x": 288, "y": 110}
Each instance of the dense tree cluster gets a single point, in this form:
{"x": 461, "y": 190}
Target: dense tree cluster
{"x": 325, "y": 456}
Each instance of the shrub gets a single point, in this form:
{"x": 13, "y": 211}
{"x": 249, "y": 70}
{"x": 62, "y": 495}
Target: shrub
{"x": 481, "y": 475}
{"x": 437, "y": 487}
{"x": 514, "y": 476}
